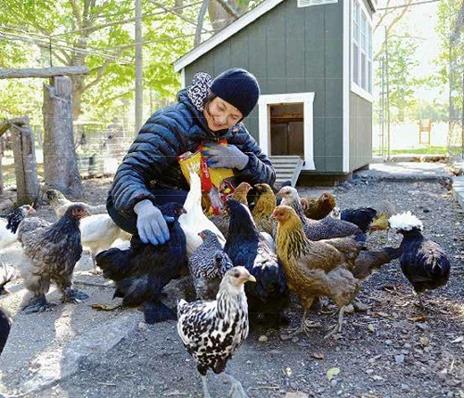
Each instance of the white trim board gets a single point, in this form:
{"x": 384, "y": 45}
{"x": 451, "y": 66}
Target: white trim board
{"x": 225, "y": 33}
{"x": 308, "y": 133}
{"x": 346, "y": 84}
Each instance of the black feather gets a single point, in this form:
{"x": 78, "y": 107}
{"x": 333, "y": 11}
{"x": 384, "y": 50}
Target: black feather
{"x": 362, "y": 217}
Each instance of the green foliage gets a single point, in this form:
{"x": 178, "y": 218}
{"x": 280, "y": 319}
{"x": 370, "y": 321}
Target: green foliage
{"x": 402, "y": 83}
{"x": 84, "y": 38}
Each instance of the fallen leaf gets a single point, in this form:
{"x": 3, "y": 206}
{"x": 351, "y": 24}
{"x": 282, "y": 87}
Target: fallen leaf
{"x": 420, "y": 318}
{"x": 332, "y": 372}
{"x": 317, "y": 355}
{"x": 383, "y": 314}
{"x": 458, "y": 340}
{"x": 424, "y": 341}
{"x": 371, "y": 328}
{"x": 105, "y": 307}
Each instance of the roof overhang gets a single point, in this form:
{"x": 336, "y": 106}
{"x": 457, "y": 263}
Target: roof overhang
{"x": 225, "y": 33}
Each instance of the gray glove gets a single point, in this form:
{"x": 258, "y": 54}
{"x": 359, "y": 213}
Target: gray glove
{"x": 151, "y": 224}
{"x": 228, "y": 156}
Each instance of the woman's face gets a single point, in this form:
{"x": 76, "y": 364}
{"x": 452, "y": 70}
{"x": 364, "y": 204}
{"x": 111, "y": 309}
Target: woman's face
{"x": 221, "y": 115}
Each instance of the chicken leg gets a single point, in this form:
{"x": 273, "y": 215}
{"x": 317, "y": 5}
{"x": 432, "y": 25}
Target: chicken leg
{"x": 205, "y": 387}
{"x": 236, "y": 390}
{"x": 74, "y": 296}
{"x": 338, "y": 327}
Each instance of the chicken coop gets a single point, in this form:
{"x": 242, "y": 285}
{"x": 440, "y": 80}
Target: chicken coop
{"x": 313, "y": 61}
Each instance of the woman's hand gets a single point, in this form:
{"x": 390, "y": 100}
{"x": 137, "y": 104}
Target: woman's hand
{"x": 151, "y": 224}
{"x": 228, "y": 156}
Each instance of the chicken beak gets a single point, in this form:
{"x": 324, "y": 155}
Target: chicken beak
{"x": 251, "y": 278}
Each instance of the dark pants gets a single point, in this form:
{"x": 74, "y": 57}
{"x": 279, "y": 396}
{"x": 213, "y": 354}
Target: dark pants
{"x": 128, "y": 220}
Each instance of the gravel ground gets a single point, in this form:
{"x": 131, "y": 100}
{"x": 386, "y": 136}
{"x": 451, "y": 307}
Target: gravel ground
{"x": 393, "y": 349}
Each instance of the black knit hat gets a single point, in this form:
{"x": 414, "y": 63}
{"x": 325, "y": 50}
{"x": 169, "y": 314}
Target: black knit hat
{"x": 238, "y": 87}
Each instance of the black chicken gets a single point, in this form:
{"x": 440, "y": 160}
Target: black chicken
{"x": 53, "y": 251}
{"x": 17, "y": 215}
{"x": 362, "y": 217}
{"x": 246, "y": 247}
{"x": 141, "y": 272}
{"x": 5, "y": 325}
{"x": 423, "y": 261}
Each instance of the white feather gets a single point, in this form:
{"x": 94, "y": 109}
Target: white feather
{"x": 405, "y": 221}
{"x": 195, "y": 221}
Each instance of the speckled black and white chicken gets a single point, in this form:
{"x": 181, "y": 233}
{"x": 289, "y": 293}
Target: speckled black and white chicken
{"x": 423, "y": 262}
{"x": 326, "y": 228}
{"x": 213, "y": 330}
{"x": 52, "y": 250}
{"x": 208, "y": 264}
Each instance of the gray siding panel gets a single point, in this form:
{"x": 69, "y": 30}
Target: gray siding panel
{"x": 360, "y": 132}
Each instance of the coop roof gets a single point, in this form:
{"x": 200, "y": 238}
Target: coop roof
{"x": 225, "y": 33}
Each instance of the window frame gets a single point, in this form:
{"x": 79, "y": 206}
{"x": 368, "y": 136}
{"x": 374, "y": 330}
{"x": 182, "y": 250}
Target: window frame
{"x": 361, "y": 33}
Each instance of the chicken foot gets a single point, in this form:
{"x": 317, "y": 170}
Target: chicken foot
{"x": 73, "y": 296}
{"x": 37, "y": 303}
{"x": 338, "y": 327}
{"x": 304, "y": 326}
{"x": 236, "y": 390}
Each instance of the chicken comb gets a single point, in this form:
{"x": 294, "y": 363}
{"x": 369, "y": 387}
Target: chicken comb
{"x": 405, "y": 222}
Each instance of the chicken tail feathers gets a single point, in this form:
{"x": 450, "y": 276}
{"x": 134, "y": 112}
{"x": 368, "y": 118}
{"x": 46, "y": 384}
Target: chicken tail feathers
{"x": 115, "y": 263}
{"x": 156, "y": 311}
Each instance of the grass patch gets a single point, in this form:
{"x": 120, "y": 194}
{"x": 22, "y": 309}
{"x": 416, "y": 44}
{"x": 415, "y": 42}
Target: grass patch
{"x": 432, "y": 150}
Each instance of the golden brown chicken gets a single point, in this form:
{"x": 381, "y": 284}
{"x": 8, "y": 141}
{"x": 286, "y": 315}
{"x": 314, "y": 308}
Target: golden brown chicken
{"x": 241, "y": 193}
{"x": 312, "y": 269}
{"x": 318, "y": 208}
{"x": 264, "y": 206}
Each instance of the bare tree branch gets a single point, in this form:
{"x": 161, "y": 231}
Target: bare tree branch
{"x": 177, "y": 13}
{"x": 230, "y": 10}
{"x": 76, "y": 13}
{"x": 201, "y": 18}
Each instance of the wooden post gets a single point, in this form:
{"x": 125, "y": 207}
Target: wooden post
{"x": 27, "y": 183}
{"x": 60, "y": 161}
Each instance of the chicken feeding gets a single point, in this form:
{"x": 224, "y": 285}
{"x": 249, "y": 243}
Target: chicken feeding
{"x": 141, "y": 272}
{"x": 194, "y": 220}
{"x": 312, "y": 269}
{"x": 222, "y": 220}
{"x": 212, "y": 331}
{"x": 98, "y": 231}
{"x": 326, "y": 228}
{"x": 208, "y": 264}
{"x": 318, "y": 208}
{"x": 265, "y": 204}
{"x": 246, "y": 247}
{"x": 9, "y": 227}
{"x": 53, "y": 251}
{"x": 423, "y": 262}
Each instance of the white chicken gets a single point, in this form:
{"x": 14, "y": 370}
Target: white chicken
{"x": 195, "y": 221}
{"x": 98, "y": 232}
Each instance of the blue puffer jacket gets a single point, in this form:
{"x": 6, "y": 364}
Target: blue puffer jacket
{"x": 152, "y": 158}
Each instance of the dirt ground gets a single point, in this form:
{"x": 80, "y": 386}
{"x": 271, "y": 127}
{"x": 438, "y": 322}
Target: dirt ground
{"x": 392, "y": 349}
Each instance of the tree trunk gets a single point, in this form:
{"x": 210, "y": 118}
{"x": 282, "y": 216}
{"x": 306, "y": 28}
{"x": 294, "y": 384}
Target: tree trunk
{"x": 60, "y": 161}
{"x": 27, "y": 183}
{"x": 1, "y": 171}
